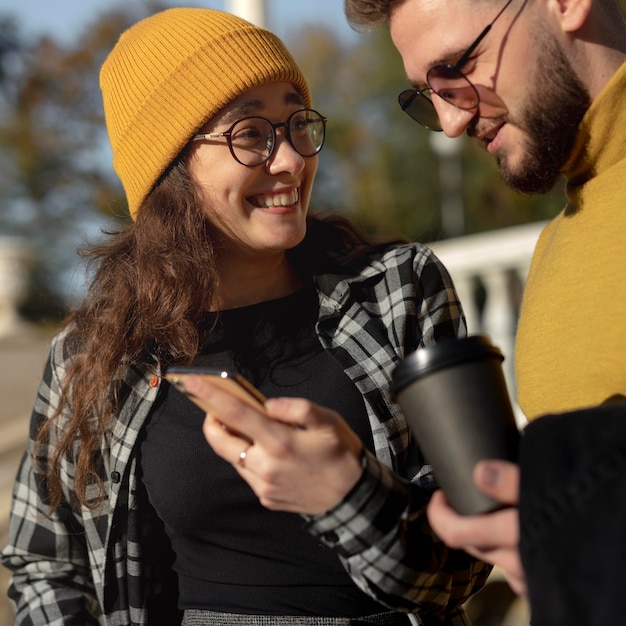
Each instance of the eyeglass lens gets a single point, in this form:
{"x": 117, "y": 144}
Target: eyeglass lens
{"x": 252, "y": 139}
{"x": 418, "y": 105}
{"x": 451, "y": 85}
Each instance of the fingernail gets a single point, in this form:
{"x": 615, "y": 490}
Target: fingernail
{"x": 489, "y": 474}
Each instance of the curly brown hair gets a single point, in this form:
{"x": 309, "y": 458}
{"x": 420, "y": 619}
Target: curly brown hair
{"x": 152, "y": 281}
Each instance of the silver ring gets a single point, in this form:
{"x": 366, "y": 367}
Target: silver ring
{"x": 243, "y": 455}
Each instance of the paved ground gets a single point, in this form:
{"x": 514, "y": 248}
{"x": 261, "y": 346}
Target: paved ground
{"x": 22, "y": 358}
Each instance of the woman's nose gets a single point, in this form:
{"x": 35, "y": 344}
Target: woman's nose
{"x": 284, "y": 157}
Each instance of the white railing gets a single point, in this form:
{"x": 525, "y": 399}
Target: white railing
{"x": 489, "y": 270}
{"x": 14, "y": 261}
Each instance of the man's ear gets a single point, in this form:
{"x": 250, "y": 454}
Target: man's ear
{"x": 572, "y": 13}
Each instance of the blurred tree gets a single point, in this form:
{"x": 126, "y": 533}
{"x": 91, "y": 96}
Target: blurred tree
{"x": 9, "y": 47}
{"x": 57, "y": 185}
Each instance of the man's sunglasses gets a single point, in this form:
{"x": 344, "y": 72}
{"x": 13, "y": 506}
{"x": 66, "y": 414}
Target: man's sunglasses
{"x": 449, "y": 83}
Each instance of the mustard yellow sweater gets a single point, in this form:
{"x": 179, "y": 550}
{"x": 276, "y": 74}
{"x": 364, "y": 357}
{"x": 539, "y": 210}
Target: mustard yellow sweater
{"x": 571, "y": 340}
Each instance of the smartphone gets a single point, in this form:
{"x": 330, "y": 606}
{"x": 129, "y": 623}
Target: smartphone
{"x": 230, "y": 381}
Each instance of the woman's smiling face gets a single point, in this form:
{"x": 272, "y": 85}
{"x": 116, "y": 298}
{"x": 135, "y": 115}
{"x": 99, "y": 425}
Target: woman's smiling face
{"x": 255, "y": 210}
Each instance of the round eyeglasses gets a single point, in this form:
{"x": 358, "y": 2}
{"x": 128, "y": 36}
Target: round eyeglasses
{"x": 450, "y": 84}
{"x": 252, "y": 140}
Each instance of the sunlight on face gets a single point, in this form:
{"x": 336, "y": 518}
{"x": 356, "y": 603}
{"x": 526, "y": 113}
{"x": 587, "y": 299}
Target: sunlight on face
{"x": 539, "y": 105}
{"x": 262, "y": 209}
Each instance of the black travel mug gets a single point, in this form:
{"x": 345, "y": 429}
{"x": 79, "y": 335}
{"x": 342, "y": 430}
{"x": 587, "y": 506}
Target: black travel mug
{"x": 455, "y": 400}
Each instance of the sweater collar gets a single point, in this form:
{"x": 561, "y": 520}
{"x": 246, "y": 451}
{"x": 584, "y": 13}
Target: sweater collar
{"x": 600, "y": 141}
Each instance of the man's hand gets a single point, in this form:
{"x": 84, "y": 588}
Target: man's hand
{"x": 493, "y": 537}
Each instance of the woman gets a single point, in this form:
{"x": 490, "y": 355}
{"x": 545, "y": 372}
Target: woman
{"x": 122, "y": 513}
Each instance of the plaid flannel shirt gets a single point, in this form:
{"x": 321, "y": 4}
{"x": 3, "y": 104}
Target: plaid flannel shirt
{"x": 100, "y": 566}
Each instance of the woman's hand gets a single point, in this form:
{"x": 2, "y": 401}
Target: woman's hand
{"x": 303, "y": 458}
{"x": 493, "y": 537}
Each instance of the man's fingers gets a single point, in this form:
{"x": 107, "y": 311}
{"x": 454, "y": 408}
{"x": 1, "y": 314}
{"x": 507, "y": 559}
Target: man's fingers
{"x": 482, "y": 532}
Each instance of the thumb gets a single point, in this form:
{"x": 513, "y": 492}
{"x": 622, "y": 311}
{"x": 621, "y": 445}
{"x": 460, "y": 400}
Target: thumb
{"x": 498, "y": 479}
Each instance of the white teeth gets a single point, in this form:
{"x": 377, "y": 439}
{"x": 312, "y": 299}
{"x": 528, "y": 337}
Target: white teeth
{"x": 282, "y": 199}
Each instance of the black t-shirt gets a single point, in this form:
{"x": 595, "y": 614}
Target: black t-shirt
{"x": 232, "y": 554}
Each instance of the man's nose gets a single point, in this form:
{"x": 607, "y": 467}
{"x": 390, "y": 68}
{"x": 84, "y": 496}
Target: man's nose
{"x": 454, "y": 121}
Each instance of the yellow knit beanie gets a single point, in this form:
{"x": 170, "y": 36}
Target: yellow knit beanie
{"x": 169, "y": 74}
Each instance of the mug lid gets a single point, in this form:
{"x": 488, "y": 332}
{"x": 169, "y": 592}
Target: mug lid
{"x": 445, "y": 353}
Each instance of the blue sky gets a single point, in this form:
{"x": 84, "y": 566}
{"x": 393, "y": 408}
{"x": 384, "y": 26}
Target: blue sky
{"x": 66, "y": 18}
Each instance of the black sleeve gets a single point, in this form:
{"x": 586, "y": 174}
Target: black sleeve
{"x": 573, "y": 516}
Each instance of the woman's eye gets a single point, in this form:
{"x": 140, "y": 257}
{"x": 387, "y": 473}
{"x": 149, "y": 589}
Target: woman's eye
{"x": 299, "y": 125}
{"x": 248, "y": 135}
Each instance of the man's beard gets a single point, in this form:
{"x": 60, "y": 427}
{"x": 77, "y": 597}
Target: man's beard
{"x": 556, "y": 103}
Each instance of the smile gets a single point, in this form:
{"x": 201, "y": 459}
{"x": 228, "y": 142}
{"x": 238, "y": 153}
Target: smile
{"x": 486, "y": 135}
{"x": 276, "y": 199}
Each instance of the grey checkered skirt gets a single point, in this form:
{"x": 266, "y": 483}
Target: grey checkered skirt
{"x": 193, "y": 617}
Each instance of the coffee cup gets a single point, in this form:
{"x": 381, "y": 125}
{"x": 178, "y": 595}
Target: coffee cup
{"x": 456, "y": 402}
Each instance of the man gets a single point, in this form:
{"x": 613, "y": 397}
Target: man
{"x": 541, "y": 84}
